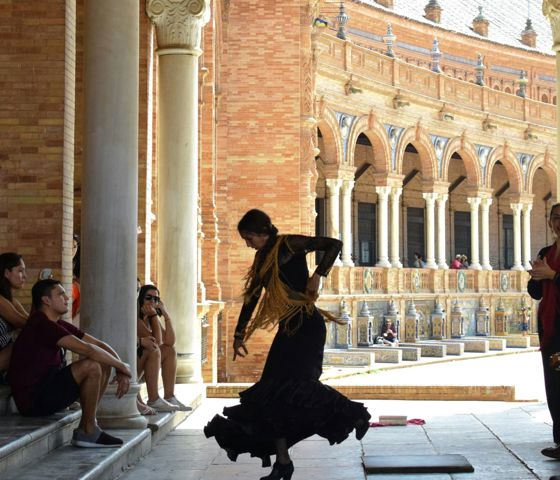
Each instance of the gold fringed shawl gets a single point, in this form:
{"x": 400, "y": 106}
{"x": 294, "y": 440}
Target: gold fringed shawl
{"x": 279, "y": 302}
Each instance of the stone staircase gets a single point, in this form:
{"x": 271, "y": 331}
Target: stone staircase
{"x": 39, "y": 448}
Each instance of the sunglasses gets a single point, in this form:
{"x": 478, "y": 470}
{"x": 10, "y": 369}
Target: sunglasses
{"x": 155, "y": 298}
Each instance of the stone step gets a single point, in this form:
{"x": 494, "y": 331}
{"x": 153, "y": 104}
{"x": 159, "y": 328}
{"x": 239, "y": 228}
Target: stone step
{"x": 39, "y": 448}
{"x": 70, "y": 463}
{"x": 23, "y": 439}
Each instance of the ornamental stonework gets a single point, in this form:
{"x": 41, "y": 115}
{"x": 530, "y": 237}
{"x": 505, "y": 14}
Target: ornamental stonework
{"x": 179, "y": 22}
{"x": 551, "y": 9}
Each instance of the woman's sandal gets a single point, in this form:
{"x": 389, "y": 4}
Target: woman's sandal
{"x": 145, "y": 409}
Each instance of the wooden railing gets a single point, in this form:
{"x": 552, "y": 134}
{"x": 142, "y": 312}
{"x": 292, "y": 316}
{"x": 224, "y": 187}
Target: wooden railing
{"x": 370, "y": 66}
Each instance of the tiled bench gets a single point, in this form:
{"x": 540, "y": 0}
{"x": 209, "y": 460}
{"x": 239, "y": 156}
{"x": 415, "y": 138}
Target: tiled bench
{"x": 494, "y": 343}
{"x": 452, "y": 348}
{"x": 428, "y": 349}
{"x": 478, "y": 345}
{"x": 409, "y": 354}
{"x": 348, "y": 358}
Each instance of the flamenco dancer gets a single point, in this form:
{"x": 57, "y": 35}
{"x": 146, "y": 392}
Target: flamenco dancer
{"x": 288, "y": 403}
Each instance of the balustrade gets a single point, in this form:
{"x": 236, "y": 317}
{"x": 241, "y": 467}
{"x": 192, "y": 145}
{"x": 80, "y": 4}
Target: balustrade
{"x": 376, "y": 67}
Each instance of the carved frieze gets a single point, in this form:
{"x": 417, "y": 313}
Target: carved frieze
{"x": 179, "y": 22}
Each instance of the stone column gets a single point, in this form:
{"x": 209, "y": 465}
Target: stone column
{"x": 347, "y": 187}
{"x": 516, "y": 207}
{"x": 527, "y": 235}
{"x": 110, "y": 191}
{"x": 382, "y": 226}
{"x": 179, "y": 25}
{"x": 441, "y": 200}
{"x": 430, "y": 226}
{"x": 551, "y": 8}
{"x": 485, "y": 227}
{"x": 395, "y": 231}
{"x": 474, "y": 262}
{"x": 333, "y": 210}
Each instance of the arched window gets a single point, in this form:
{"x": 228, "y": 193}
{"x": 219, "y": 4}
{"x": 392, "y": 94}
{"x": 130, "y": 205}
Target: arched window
{"x": 507, "y": 90}
{"x": 544, "y": 98}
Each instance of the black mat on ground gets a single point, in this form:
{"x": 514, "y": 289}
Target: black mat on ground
{"x": 449, "y": 463}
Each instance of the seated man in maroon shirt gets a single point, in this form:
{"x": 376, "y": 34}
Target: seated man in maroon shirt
{"x": 42, "y": 385}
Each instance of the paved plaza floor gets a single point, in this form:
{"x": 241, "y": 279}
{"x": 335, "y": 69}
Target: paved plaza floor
{"x": 501, "y": 440}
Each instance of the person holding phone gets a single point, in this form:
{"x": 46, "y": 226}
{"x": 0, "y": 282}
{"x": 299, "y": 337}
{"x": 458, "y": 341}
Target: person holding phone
{"x": 156, "y": 349}
{"x": 544, "y": 285}
{"x": 12, "y": 314}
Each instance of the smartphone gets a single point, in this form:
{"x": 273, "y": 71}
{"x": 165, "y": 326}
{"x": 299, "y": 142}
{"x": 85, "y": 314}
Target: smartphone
{"x": 158, "y": 311}
{"x": 45, "y": 274}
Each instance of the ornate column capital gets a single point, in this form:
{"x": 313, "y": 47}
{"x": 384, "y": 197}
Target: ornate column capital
{"x": 333, "y": 185}
{"x": 551, "y": 10}
{"x": 178, "y": 24}
{"x": 516, "y": 207}
{"x": 474, "y": 202}
{"x": 347, "y": 186}
{"x": 383, "y": 191}
{"x": 430, "y": 197}
{"x": 527, "y": 207}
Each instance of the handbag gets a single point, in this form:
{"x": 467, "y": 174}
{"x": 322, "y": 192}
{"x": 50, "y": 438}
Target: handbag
{"x": 6, "y": 333}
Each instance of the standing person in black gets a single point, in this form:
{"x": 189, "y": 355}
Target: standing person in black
{"x": 288, "y": 403}
{"x": 544, "y": 285}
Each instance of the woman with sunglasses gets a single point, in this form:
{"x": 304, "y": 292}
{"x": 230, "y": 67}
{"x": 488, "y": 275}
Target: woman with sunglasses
{"x": 156, "y": 349}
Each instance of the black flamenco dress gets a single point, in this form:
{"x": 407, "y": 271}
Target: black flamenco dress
{"x": 289, "y": 401}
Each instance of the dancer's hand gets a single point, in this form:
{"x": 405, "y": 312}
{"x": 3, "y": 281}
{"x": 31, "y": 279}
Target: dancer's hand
{"x": 238, "y": 345}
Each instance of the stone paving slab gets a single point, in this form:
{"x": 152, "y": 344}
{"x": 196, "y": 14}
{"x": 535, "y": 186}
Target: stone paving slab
{"x": 501, "y": 440}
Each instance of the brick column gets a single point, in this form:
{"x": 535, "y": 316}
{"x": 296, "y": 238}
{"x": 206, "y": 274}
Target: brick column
{"x": 552, "y": 10}
{"x": 474, "y": 262}
{"x": 179, "y": 26}
{"x": 110, "y": 191}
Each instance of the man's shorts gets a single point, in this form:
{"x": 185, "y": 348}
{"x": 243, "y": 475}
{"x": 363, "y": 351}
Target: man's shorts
{"x": 54, "y": 393}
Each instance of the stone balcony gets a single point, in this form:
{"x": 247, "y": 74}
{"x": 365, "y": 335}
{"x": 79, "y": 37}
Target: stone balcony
{"x": 364, "y": 281}
{"x": 371, "y": 68}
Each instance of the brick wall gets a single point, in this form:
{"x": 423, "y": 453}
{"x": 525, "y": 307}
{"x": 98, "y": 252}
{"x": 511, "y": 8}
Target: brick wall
{"x": 36, "y": 134}
{"x": 259, "y": 140}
